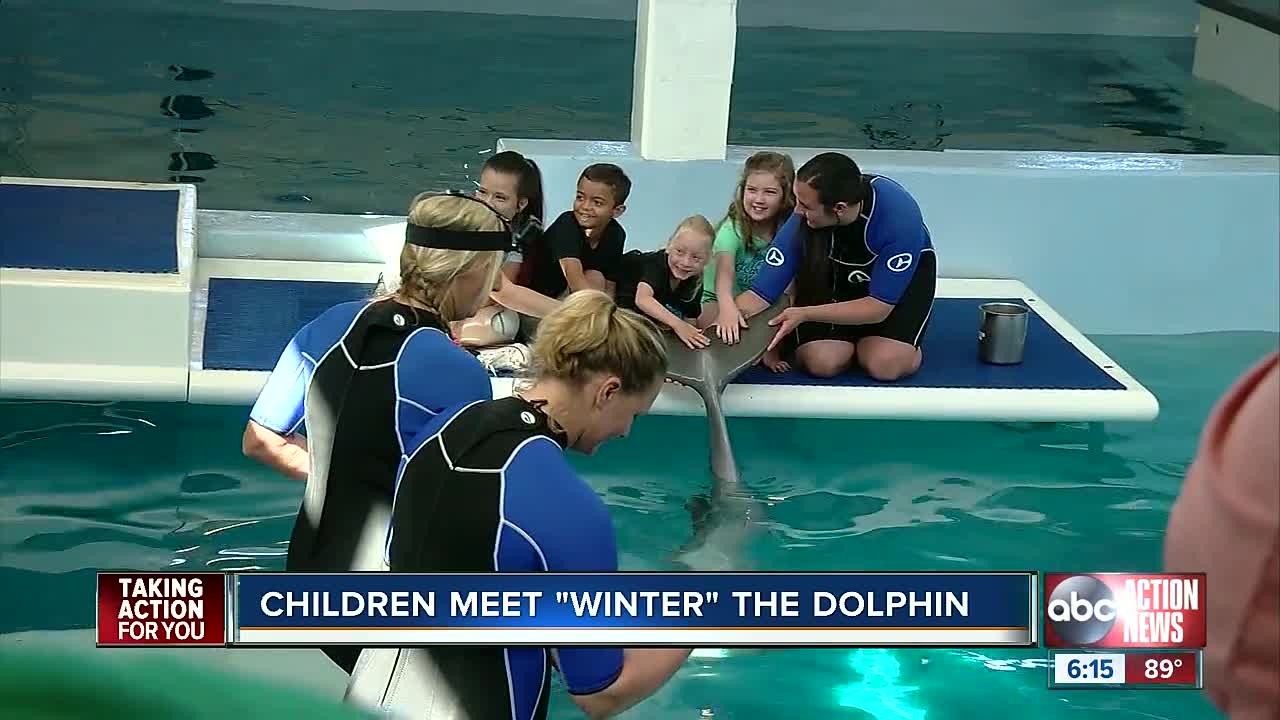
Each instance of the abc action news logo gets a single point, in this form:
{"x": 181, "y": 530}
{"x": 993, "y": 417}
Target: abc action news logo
{"x": 1123, "y": 610}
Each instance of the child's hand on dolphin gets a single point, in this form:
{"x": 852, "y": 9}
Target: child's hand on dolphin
{"x": 692, "y": 337}
{"x": 730, "y": 323}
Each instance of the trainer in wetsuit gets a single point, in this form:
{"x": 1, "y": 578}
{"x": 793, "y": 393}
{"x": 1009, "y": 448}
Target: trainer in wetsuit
{"x": 864, "y": 270}
{"x": 358, "y": 382}
{"x": 487, "y": 488}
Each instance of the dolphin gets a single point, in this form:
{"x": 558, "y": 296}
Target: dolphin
{"x": 722, "y": 521}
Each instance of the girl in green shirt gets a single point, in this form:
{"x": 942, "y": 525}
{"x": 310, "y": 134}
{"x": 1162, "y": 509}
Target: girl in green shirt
{"x": 763, "y": 202}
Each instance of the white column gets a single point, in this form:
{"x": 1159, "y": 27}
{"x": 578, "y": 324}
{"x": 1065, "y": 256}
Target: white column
{"x": 683, "y": 78}
{"x": 1239, "y": 55}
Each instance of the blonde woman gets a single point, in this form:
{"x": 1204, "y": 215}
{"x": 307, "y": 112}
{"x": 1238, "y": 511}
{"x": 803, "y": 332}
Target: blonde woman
{"x": 364, "y": 377}
{"x": 487, "y": 488}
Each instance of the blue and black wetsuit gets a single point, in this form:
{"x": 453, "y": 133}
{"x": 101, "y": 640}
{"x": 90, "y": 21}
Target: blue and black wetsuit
{"x": 886, "y": 254}
{"x": 360, "y": 381}
{"x": 487, "y": 488}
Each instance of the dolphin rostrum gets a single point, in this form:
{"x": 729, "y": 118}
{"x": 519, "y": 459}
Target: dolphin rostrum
{"x": 722, "y": 522}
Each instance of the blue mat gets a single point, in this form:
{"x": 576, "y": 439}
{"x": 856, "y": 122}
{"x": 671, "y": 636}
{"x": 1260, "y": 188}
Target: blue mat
{"x": 45, "y": 227}
{"x": 950, "y": 347}
{"x": 249, "y": 322}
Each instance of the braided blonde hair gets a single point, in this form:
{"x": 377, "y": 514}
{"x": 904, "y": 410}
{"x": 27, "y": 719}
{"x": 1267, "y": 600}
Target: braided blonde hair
{"x": 427, "y": 274}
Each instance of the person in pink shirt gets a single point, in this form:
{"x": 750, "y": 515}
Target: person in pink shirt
{"x": 1226, "y": 523}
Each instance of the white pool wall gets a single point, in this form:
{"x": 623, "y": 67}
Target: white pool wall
{"x": 1118, "y": 243}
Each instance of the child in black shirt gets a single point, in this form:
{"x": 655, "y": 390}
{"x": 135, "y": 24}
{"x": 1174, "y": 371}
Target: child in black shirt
{"x": 583, "y": 247}
{"x": 666, "y": 284}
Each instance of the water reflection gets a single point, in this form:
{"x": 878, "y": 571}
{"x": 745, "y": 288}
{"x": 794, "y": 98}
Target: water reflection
{"x": 186, "y": 107}
{"x": 185, "y": 74}
{"x": 361, "y": 129}
{"x": 186, "y": 160}
{"x": 110, "y": 419}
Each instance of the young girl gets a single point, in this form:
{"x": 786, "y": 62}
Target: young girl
{"x": 666, "y": 284}
{"x": 763, "y": 202}
{"x": 511, "y": 184}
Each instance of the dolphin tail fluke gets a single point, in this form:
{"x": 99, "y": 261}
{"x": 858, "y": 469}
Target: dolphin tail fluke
{"x": 710, "y": 369}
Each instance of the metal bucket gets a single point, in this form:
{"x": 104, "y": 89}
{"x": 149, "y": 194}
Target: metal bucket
{"x": 1002, "y": 334}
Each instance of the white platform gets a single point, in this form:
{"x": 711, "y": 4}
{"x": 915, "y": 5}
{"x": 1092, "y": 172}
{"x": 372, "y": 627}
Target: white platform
{"x": 147, "y": 331}
{"x": 81, "y": 335}
{"x": 1135, "y": 403}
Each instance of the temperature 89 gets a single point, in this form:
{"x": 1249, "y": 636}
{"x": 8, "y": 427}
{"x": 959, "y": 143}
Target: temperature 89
{"x": 1163, "y": 668}
{"x": 1160, "y": 668}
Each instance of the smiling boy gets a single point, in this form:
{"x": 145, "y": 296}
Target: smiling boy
{"x": 583, "y": 248}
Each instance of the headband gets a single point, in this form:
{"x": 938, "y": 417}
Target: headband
{"x": 478, "y": 240}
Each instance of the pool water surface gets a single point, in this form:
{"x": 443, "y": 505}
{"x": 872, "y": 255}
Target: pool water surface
{"x": 87, "y": 486}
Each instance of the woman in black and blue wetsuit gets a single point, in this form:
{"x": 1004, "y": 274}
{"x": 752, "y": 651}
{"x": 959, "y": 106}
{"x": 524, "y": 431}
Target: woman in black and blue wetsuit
{"x": 487, "y": 488}
{"x": 357, "y": 383}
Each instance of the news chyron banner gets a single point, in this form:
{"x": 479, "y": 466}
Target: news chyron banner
{"x": 680, "y": 609}
{"x": 1124, "y": 610}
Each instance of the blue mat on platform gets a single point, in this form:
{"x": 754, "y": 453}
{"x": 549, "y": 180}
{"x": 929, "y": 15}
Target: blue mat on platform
{"x": 250, "y": 322}
{"x": 950, "y": 347}
{"x": 48, "y": 227}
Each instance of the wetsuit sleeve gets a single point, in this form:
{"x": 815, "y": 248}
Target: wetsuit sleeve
{"x": 588, "y": 670}
{"x": 432, "y": 375}
{"x": 781, "y": 260}
{"x": 897, "y": 237}
{"x": 445, "y": 374}
{"x": 573, "y": 532}
{"x": 564, "y": 238}
{"x": 280, "y": 405}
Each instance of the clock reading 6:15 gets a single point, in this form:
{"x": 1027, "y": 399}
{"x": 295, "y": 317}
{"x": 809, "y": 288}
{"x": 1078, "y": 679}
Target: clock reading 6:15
{"x": 1100, "y": 667}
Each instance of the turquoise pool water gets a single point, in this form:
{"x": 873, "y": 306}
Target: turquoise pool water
{"x": 127, "y": 485}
